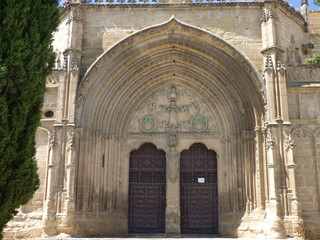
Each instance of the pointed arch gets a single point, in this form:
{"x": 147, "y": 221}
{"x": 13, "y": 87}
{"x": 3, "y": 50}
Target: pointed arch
{"x": 170, "y": 52}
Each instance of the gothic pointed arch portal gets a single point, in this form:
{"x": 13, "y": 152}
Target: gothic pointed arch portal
{"x": 173, "y": 85}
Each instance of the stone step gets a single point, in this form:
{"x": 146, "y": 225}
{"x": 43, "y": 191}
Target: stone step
{"x": 150, "y": 238}
{"x": 145, "y": 238}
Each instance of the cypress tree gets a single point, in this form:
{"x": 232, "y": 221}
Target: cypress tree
{"x": 26, "y": 58}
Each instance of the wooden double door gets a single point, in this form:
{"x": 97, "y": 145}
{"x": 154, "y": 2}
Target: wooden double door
{"x": 198, "y": 190}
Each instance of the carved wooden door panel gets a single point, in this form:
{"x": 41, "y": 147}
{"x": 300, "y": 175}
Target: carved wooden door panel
{"x": 198, "y": 190}
{"x": 147, "y": 190}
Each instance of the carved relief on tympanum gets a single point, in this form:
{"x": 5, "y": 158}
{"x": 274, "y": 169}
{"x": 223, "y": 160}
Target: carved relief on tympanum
{"x": 173, "y": 108}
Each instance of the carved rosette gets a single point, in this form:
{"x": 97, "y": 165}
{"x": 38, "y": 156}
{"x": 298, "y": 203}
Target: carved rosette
{"x": 147, "y": 123}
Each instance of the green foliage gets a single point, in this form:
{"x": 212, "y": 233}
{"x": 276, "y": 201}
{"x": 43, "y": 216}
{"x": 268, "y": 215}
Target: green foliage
{"x": 26, "y": 58}
{"x": 317, "y": 2}
{"x": 314, "y": 60}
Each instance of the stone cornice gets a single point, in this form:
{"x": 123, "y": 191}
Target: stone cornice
{"x": 258, "y": 3}
{"x": 73, "y": 50}
{"x": 272, "y": 49}
{"x": 303, "y": 85}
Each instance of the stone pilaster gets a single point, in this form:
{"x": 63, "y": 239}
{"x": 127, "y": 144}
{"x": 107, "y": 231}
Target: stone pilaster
{"x": 282, "y": 198}
{"x": 274, "y": 209}
{"x": 61, "y": 175}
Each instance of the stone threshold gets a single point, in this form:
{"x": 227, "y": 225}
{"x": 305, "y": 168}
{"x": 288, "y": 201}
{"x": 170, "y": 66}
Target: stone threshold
{"x": 146, "y": 238}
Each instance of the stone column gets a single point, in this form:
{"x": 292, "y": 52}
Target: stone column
{"x": 259, "y": 167}
{"x": 173, "y": 189}
{"x": 50, "y": 204}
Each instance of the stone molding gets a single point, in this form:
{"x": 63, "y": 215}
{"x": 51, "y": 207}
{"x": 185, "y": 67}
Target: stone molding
{"x": 284, "y": 4}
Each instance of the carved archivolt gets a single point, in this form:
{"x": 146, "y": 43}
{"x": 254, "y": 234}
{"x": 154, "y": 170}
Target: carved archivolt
{"x": 173, "y": 39}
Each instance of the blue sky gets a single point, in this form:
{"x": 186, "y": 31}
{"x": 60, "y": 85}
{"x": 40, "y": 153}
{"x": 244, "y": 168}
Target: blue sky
{"x": 295, "y": 3}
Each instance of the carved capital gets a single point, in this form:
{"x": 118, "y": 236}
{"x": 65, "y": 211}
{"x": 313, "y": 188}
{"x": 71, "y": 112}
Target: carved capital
{"x": 267, "y": 14}
{"x": 75, "y": 15}
{"x": 263, "y": 17}
{"x": 270, "y": 13}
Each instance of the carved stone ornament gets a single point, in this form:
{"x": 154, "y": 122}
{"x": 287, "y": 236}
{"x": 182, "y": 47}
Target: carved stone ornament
{"x": 290, "y": 143}
{"x": 53, "y": 140}
{"x": 147, "y": 124}
{"x": 199, "y": 123}
{"x": 173, "y": 158}
{"x": 74, "y": 16}
{"x": 172, "y": 140}
{"x": 65, "y": 61}
{"x": 268, "y": 63}
{"x": 53, "y": 80}
{"x": 71, "y": 139}
{"x": 74, "y": 63}
{"x": 162, "y": 113}
{"x": 270, "y": 141}
{"x": 263, "y": 17}
{"x": 271, "y": 13}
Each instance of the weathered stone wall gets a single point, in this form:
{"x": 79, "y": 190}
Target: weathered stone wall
{"x": 304, "y": 109}
{"x": 290, "y": 37}
{"x": 314, "y": 20}
{"x": 28, "y": 222}
{"x": 104, "y": 26}
{"x": 314, "y": 27}
{"x": 308, "y": 166}
{"x": 304, "y": 94}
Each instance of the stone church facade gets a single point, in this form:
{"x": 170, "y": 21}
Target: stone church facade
{"x": 178, "y": 118}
